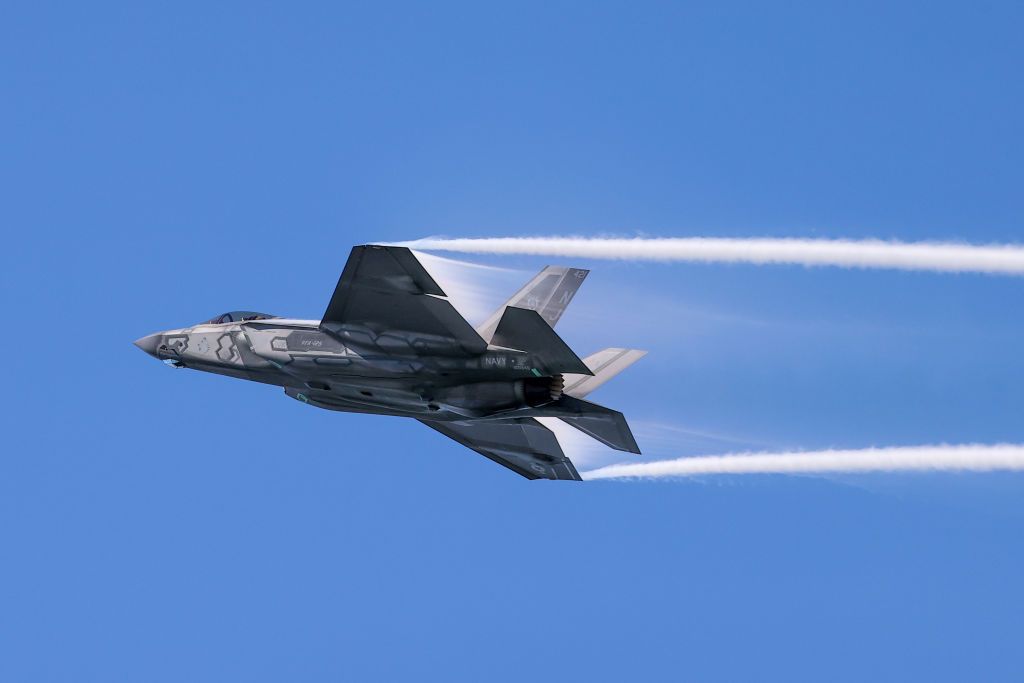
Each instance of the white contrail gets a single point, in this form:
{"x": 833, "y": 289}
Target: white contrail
{"x": 969, "y": 457}
{"x": 996, "y": 259}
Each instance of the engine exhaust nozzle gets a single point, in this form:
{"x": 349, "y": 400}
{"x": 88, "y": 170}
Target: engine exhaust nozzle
{"x": 557, "y": 387}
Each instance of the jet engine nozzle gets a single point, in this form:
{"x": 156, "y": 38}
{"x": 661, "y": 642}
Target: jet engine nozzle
{"x": 556, "y": 387}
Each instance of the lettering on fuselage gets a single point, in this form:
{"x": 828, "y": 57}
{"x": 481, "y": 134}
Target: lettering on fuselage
{"x": 495, "y": 361}
{"x": 314, "y": 341}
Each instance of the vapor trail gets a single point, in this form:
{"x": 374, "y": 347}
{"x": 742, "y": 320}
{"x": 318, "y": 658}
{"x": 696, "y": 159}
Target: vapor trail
{"x": 970, "y": 457}
{"x": 996, "y": 259}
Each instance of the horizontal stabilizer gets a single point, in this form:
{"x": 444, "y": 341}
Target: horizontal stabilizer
{"x": 604, "y": 365}
{"x": 526, "y": 330}
{"x": 549, "y": 293}
{"x": 604, "y": 424}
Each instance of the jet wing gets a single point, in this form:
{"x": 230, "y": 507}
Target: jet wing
{"x": 387, "y": 298}
{"x": 523, "y": 445}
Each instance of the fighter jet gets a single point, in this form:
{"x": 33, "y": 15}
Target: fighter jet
{"x": 390, "y": 343}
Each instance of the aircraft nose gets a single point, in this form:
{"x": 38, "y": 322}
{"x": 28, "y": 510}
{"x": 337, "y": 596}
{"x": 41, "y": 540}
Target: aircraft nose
{"x": 148, "y": 343}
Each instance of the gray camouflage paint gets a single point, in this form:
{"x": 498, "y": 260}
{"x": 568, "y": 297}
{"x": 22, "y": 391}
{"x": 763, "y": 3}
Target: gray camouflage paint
{"x": 390, "y": 344}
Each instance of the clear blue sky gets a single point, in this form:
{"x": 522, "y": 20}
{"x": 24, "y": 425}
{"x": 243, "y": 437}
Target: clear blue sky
{"x": 164, "y": 163}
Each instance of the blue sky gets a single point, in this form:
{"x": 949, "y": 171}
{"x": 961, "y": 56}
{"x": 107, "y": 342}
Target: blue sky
{"x": 163, "y": 164}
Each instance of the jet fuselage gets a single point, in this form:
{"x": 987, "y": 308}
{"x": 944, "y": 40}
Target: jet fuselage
{"x": 391, "y": 343}
{"x": 318, "y": 368}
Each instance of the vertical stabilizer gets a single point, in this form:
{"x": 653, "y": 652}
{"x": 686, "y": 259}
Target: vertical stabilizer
{"x": 549, "y": 293}
{"x": 526, "y": 331}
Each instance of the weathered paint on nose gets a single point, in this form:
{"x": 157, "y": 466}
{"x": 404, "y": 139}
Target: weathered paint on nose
{"x": 149, "y": 343}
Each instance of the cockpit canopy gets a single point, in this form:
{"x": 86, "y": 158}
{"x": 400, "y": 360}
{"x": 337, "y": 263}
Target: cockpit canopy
{"x": 237, "y": 317}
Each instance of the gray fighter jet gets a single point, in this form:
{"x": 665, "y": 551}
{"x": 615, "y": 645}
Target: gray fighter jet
{"x": 390, "y": 343}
